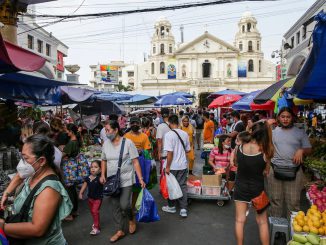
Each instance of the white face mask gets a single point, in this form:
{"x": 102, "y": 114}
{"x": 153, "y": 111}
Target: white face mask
{"x": 227, "y": 146}
{"x": 25, "y": 169}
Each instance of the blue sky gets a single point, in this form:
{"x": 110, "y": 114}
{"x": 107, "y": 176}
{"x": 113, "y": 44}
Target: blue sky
{"x": 128, "y": 37}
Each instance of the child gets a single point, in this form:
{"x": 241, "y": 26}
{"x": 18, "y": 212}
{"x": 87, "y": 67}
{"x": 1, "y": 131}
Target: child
{"x": 95, "y": 195}
{"x": 219, "y": 158}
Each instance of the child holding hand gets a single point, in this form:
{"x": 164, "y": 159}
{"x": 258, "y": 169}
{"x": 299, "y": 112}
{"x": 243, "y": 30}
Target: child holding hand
{"x": 95, "y": 194}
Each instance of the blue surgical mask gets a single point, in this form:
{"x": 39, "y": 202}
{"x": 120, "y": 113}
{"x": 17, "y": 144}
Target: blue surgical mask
{"x": 111, "y": 136}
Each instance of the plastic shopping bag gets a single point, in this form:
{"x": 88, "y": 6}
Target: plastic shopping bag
{"x": 146, "y": 165}
{"x": 139, "y": 199}
{"x": 173, "y": 187}
{"x": 148, "y": 209}
{"x": 164, "y": 186}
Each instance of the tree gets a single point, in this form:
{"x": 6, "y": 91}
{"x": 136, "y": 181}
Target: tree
{"x": 122, "y": 88}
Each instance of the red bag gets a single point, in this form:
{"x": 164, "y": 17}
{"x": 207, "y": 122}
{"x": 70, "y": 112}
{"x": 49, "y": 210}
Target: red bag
{"x": 164, "y": 186}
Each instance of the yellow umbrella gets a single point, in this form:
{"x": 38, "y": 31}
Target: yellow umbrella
{"x": 288, "y": 84}
{"x": 298, "y": 101}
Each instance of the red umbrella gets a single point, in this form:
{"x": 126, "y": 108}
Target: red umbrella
{"x": 224, "y": 100}
{"x": 268, "y": 105}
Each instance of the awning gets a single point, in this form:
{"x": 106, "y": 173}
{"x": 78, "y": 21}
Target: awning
{"x": 245, "y": 102}
{"x": 225, "y": 92}
{"x": 14, "y": 58}
{"x": 28, "y": 88}
{"x": 311, "y": 80}
{"x": 139, "y": 99}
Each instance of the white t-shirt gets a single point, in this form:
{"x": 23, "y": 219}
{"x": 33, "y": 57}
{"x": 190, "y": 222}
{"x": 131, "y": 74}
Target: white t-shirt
{"x": 173, "y": 143}
{"x": 57, "y": 157}
{"x": 162, "y": 129}
{"x": 103, "y": 135}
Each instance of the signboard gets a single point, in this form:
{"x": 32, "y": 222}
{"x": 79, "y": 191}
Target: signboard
{"x": 109, "y": 73}
{"x": 242, "y": 68}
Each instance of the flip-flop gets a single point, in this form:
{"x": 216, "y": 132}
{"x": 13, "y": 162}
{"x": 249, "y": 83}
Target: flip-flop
{"x": 132, "y": 228}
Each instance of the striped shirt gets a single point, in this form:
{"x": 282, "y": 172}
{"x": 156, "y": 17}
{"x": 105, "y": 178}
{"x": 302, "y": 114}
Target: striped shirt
{"x": 220, "y": 160}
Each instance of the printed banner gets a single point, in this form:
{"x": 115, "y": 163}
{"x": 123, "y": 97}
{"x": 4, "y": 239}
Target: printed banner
{"x": 172, "y": 71}
{"x": 242, "y": 68}
{"x": 109, "y": 73}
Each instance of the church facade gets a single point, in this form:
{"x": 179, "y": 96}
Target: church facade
{"x": 206, "y": 64}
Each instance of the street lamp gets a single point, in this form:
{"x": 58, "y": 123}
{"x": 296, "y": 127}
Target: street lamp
{"x": 279, "y": 54}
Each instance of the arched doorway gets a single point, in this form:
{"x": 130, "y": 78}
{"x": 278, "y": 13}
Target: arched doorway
{"x": 296, "y": 65}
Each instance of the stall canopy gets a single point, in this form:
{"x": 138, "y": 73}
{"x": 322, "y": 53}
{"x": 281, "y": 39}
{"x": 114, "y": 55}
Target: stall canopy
{"x": 225, "y": 92}
{"x": 184, "y": 94}
{"x": 245, "y": 101}
{"x": 224, "y": 101}
{"x": 311, "y": 80}
{"x": 98, "y": 106}
{"x": 169, "y": 100}
{"x": 28, "y": 88}
{"x": 139, "y": 99}
{"x": 14, "y": 58}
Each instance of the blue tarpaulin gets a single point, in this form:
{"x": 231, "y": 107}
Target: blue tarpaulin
{"x": 184, "y": 94}
{"x": 139, "y": 99}
{"x": 245, "y": 102}
{"x": 311, "y": 80}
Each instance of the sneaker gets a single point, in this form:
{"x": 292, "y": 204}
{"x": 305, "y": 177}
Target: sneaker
{"x": 168, "y": 209}
{"x": 94, "y": 232}
{"x": 183, "y": 213}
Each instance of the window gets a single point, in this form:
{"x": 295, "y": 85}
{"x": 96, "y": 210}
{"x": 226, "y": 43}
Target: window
{"x": 153, "y": 68}
{"x": 250, "y": 66}
{"x": 48, "y": 49}
{"x": 258, "y": 46}
{"x": 95, "y": 73}
{"x": 120, "y": 73}
{"x": 206, "y": 69}
{"x": 243, "y": 29}
{"x": 154, "y": 49}
{"x": 162, "y": 48}
{"x": 298, "y": 37}
{"x": 30, "y": 42}
{"x": 170, "y": 48}
{"x": 39, "y": 46}
{"x": 131, "y": 73}
{"x": 248, "y": 27}
{"x": 304, "y": 32}
{"x": 250, "y": 46}
{"x": 292, "y": 41}
{"x": 162, "y": 31}
{"x": 259, "y": 66}
{"x": 240, "y": 46}
{"x": 162, "y": 67}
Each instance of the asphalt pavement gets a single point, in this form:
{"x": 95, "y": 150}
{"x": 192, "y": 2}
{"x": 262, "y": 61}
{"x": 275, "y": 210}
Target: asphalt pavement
{"x": 207, "y": 223}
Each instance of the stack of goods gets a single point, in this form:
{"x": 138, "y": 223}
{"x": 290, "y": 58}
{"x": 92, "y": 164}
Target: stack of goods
{"x": 194, "y": 185}
{"x": 317, "y": 162}
{"x": 310, "y": 239}
{"x": 317, "y": 196}
{"x": 313, "y": 221}
{"x": 208, "y": 147}
{"x": 208, "y": 185}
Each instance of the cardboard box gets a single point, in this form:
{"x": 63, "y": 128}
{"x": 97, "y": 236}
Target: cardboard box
{"x": 212, "y": 180}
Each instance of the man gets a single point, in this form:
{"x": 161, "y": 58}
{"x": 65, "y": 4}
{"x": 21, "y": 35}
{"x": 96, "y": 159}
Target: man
{"x": 237, "y": 127}
{"x": 291, "y": 144}
{"x": 122, "y": 120}
{"x": 103, "y": 132}
{"x": 199, "y": 127}
{"x": 162, "y": 129}
{"x": 140, "y": 140}
{"x": 176, "y": 144}
{"x": 209, "y": 128}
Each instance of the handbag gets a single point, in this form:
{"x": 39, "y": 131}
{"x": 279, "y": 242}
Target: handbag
{"x": 261, "y": 202}
{"x": 286, "y": 173}
{"x": 22, "y": 215}
{"x": 112, "y": 185}
{"x": 70, "y": 171}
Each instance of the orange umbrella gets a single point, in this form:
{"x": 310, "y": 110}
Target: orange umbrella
{"x": 224, "y": 100}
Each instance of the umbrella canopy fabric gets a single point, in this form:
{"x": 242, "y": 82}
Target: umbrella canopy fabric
{"x": 139, "y": 99}
{"x": 267, "y": 106}
{"x": 112, "y": 96}
{"x": 169, "y": 100}
{"x": 184, "y": 94}
{"x": 224, "y": 100}
{"x": 272, "y": 92}
{"x": 245, "y": 102}
{"x": 103, "y": 107}
{"x": 14, "y": 58}
{"x": 225, "y": 92}
{"x": 310, "y": 82}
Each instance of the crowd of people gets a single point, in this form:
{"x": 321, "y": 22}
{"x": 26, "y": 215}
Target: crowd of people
{"x": 254, "y": 153}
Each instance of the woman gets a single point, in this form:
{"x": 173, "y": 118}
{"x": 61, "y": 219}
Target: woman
{"x": 59, "y": 136}
{"x": 122, "y": 212}
{"x": 70, "y": 152}
{"x": 253, "y": 160}
{"x": 219, "y": 158}
{"x": 189, "y": 129}
{"x": 51, "y": 201}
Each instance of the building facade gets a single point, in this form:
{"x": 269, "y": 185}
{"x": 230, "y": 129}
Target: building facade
{"x": 206, "y": 64}
{"x": 297, "y": 43}
{"x": 33, "y": 37}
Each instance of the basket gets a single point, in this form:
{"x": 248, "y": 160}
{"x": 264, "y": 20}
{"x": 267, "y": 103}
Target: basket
{"x": 196, "y": 190}
{"x": 211, "y": 190}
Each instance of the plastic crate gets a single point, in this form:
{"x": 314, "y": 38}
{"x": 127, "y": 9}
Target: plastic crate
{"x": 194, "y": 190}
{"x": 211, "y": 190}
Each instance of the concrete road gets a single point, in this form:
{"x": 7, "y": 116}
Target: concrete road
{"x": 206, "y": 224}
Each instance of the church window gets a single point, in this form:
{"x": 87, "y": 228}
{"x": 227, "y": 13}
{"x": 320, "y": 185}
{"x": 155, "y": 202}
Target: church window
{"x": 167, "y": 30}
{"x": 259, "y": 66}
{"x": 162, "y": 67}
{"x": 248, "y": 27}
{"x": 170, "y": 48}
{"x": 240, "y": 46}
{"x": 184, "y": 71}
{"x": 258, "y": 46}
{"x": 162, "y": 48}
{"x": 250, "y": 46}
{"x": 162, "y": 31}
{"x": 153, "y": 68}
{"x": 154, "y": 49}
{"x": 157, "y": 31}
{"x": 206, "y": 69}
{"x": 243, "y": 29}
{"x": 250, "y": 66}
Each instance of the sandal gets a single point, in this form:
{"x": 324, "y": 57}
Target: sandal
{"x": 117, "y": 236}
{"x": 132, "y": 227}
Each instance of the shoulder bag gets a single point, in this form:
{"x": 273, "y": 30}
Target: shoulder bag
{"x": 261, "y": 202}
{"x": 112, "y": 184}
{"x": 22, "y": 216}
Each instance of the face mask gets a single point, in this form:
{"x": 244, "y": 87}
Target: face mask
{"x": 231, "y": 120}
{"x": 25, "y": 169}
{"x": 135, "y": 128}
{"x": 111, "y": 136}
{"x": 227, "y": 146}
